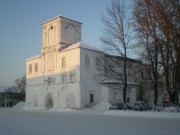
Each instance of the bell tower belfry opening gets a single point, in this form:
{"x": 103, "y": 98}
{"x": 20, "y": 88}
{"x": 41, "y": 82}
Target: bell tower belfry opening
{"x": 58, "y": 33}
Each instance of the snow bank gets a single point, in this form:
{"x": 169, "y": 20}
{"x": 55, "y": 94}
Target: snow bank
{"x": 33, "y": 108}
{"x": 172, "y": 109}
{"x": 43, "y": 109}
{"x": 61, "y": 110}
{"x": 101, "y": 107}
{"x": 147, "y": 114}
{"x": 19, "y": 105}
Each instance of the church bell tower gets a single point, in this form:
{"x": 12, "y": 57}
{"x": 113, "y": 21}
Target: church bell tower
{"x": 58, "y": 33}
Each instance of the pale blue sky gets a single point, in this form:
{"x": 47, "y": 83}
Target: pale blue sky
{"x": 20, "y": 29}
{"x": 21, "y": 34}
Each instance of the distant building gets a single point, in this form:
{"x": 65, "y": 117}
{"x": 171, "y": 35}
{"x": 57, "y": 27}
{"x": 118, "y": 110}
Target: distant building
{"x": 64, "y": 74}
{"x": 114, "y": 84}
{"x": 7, "y": 99}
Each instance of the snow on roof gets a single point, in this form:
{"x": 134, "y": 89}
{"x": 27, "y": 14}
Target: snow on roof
{"x": 35, "y": 57}
{"x": 112, "y": 81}
{"x": 52, "y": 19}
{"x": 80, "y": 45}
{"x": 116, "y": 81}
{"x": 60, "y": 16}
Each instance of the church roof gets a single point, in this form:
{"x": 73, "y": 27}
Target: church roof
{"x": 115, "y": 81}
{"x": 35, "y": 57}
{"x": 80, "y": 45}
{"x": 61, "y": 16}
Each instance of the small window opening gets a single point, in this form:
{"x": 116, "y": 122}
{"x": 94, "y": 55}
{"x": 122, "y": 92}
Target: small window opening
{"x": 91, "y": 98}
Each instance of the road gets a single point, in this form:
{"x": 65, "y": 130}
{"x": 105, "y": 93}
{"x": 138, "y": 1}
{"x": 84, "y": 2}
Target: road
{"x": 20, "y": 122}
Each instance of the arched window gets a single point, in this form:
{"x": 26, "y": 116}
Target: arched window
{"x": 30, "y": 69}
{"x": 70, "y": 34}
{"x": 64, "y": 62}
{"x": 52, "y": 35}
{"x": 36, "y": 67}
{"x": 87, "y": 61}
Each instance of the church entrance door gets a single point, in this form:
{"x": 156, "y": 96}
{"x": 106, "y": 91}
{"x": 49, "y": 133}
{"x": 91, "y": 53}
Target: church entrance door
{"x": 49, "y": 101}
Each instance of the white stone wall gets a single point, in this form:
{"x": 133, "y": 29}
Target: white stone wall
{"x": 64, "y": 94}
{"x": 87, "y": 74}
{"x": 76, "y": 93}
{"x": 35, "y": 91}
{"x": 33, "y": 62}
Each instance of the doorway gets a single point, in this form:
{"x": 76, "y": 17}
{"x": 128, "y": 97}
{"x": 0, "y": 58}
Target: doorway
{"x": 49, "y": 101}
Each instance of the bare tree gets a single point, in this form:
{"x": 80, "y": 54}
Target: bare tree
{"x": 17, "y": 91}
{"x": 116, "y": 41}
{"x": 146, "y": 32}
{"x": 157, "y": 24}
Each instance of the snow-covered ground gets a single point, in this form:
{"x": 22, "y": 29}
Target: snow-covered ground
{"x": 103, "y": 108}
{"x": 56, "y": 122}
{"x": 145, "y": 114}
{"x": 27, "y": 120}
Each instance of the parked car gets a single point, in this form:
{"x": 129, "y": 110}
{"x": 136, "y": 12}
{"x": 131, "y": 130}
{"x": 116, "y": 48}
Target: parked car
{"x": 141, "y": 106}
{"x": 147, "y": 106}
{"x": 116, "y": 106}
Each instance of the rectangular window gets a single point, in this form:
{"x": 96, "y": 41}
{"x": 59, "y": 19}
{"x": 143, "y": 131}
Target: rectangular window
{"x": 142, "y": 75}
{"x": 91, "y": 98}
{"x": 128, "y": 100}
{"x": 129, "y": 71}
{"x": 72, "y": 78}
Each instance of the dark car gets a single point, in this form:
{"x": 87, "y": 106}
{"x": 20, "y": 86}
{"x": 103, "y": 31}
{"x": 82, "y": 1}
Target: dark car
{"x": 116, "y": 106}
{"x": 141, "y": 106}
{"x": 147, "y": 106}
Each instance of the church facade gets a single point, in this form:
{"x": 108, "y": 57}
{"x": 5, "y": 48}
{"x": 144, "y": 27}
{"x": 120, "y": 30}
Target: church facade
{"x": 63, "y": 75}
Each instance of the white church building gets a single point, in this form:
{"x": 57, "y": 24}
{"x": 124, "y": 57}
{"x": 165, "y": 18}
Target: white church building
{"x": 63, "y": 75}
